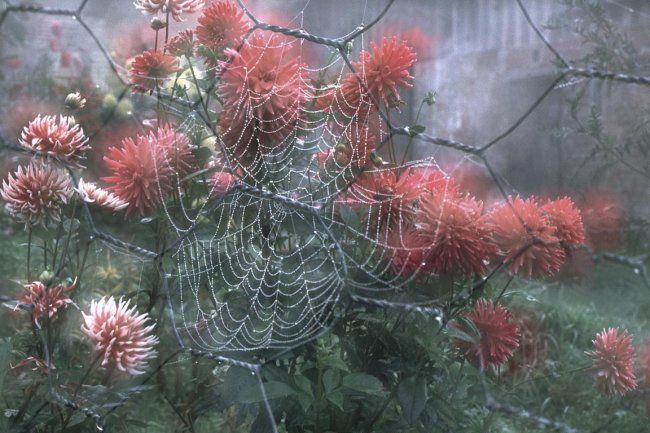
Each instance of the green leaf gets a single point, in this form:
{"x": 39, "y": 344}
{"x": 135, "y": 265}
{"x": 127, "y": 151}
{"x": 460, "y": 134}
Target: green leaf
{"x": 363, "y": 382}
{"x": 71, "y": 225}
{"x": 240, "y": 386}
{"x": 331, "y": 380}
{"x": 5, "y": 357}
{"x": 275, "y": 389}
{"x": 412, "y": 397}
{"x": 336, "y": 398}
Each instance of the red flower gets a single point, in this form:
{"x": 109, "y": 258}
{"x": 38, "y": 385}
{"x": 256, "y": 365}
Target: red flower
{"x": 221, "y": 25}
{"x": 603, "y": 219}
{"x": 406, "y": 252}
{"x": 264, "y": 88}
{"x": 612, "y": 362}
{"x": 526, "y": 238}
{"x": 499, "y": 335}
{"x": 566, "y": 218}
{"x": 140, "y": 175}
{"x": 457, "y": 232}
{"x": 60, "y": 138}
{"x": 182, "y": 44}
{"x": 150, "y": 69}
{"x": 120, "y": 335}
{"x": 385, "y": 68}
{"x": 175, "y": 7}
{"x": 36, "y": 194}
{"x": 46, "y": 301}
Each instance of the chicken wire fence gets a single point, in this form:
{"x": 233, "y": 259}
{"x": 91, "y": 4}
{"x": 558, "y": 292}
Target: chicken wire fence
{"x": 289, "y": 263}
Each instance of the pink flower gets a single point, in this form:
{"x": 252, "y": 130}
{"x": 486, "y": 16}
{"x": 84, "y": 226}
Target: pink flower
{"x": 603, "y": 220}
{"x": 182, "y": 44}
{"x": 455, "y": 227}
{"x": 612, "y": 362}
{"x": 175, "y": 7}
{"x": 499, "y": 335}
{"x": 120, "y": 335}
{"x": 91, "y": 193}
{"x": 526, "y": 238}
{"x": 150, "y": 69}
{"x": 46, "y": 301}
{"x": 406, "y": 252}
{"x": 60, "y": 138}
{"x": 175, "y": 148}
{"x": 35, "y": 194}
{"x": 221, "y": 181}
{"x": 221, "y": 25}
{"x": 265, "y": 88}
{"x": 140, "y": 174}
{"x": 566, "y": 218}
{"x": 384, "y": 69}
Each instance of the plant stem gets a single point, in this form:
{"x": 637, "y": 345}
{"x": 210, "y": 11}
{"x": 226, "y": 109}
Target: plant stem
{"x": 29, "y": 251}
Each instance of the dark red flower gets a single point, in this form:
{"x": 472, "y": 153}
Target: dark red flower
{"x": 498, "y": 335}
{"x": 405, "y": 251}
{"x": 182, "y": 44}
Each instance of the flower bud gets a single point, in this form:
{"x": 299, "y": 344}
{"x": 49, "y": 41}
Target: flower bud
{"x": 74, "y": 101}
{"x": 157, "y": 24}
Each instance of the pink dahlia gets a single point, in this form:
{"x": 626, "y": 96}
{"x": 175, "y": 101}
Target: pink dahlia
{"x": 57, "y": 137}
{"x": 150, "y": 69}
{"x": 264, "y": 85}
{"x": 499, "y": 335}
{"x": 612, "y": 362}
{"x": 121, "y": 336}
{"x": 140, "y": 174}
{"x": 221, "y": 25}
{"x": 526, "y": 238}
{"x": 385, "y": 68}
{"x": 405, "y": 251}
{"x": 221, "y": 182}
{"x": 182, "y": 44}
{"x": 175, "y": 7}
{"x": 566, "y": 218}
{"x": 175, "y": 148}
{"x": 91, "y": 193}
{"x": 46, "y": 301}
{"x": 458, "y": 233}
{"x": 36, "y": 194}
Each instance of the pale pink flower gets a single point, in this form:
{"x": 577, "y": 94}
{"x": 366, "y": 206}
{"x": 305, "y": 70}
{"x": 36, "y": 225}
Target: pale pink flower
{"x": 612, "y": 362}
{"x": 175, "y": 7}
{"x": 91, "y": 193}
{"x": 35, "y": 194}
{"x": 60, "y": 138}
{"x": 121, "y": 335}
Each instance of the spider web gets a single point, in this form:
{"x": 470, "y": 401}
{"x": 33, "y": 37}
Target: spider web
{"x": 264, "y": 265}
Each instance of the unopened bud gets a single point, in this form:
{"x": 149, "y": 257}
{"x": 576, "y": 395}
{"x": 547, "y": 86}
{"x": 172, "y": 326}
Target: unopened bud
{"x": 376, "y": 159}
{"x": 74, "y": 101}
{"x": 157, "y": 24}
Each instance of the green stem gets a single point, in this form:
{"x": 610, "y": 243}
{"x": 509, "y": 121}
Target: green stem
{"x": 29, "y": 251}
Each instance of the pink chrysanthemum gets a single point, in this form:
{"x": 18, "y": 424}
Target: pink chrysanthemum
{"x": 566, "y": 218}
{"x": 175, "y": 148}
{"x": 264, "y": 85}
{"x": 150, "y": 69}
{"x": 221, "y": 182}
{"x": 140, "y": 175}
{"x": 121, "y": 336}
{"x": 91, "y": 193}
{"x": 36, "y": 193}
{"x": 221, "y": 25}
{"x": 612, "y": 362}
{"x": 526, "y": 238}
{"x": 385, "y": 69}
{"x": 457, "y": 231}
{"x": 182, "y": 44}
{"x": 57, "y": 137}
{"x": 499, "y": 335}
{"x": 46, "y": 301}
{"x": 175, "y": 7}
